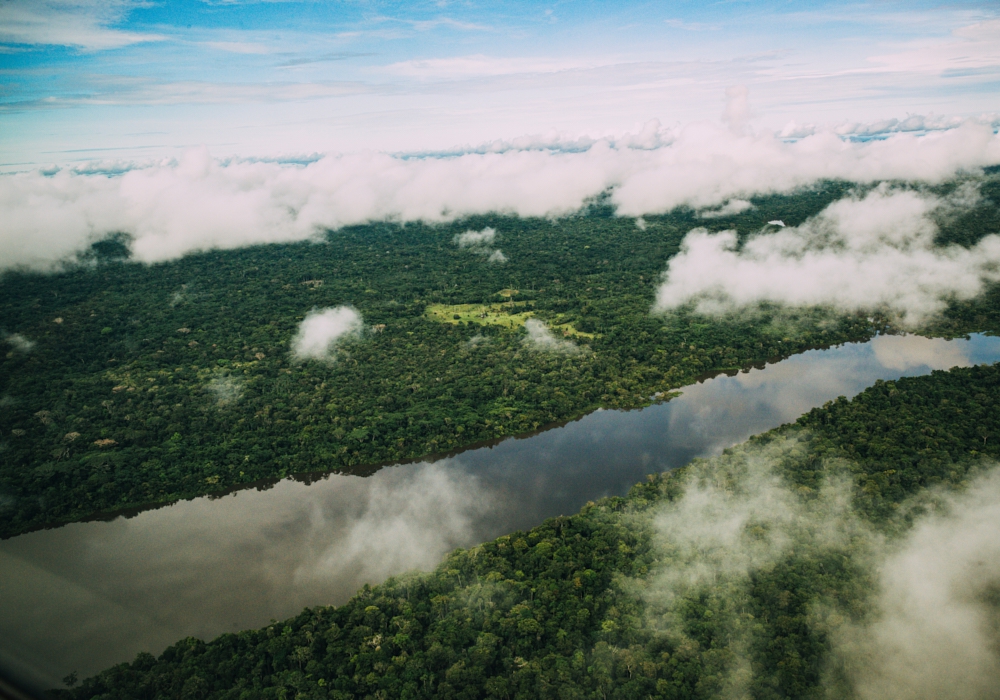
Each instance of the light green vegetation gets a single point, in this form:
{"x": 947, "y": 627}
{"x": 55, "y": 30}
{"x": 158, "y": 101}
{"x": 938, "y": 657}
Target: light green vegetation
{"x": 508, "y": 315}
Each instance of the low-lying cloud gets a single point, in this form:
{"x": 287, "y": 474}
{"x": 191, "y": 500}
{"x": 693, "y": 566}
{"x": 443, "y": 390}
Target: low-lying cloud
{"x": 738, "y": 519}
{"x": 480, "y": 243}
{"x": 476, "y": 239}
{"x": 197, "y": 203}
{"x": 541, "y": 339}
{"x": 322, "y": 330}
{"x": 930, "y": 629}
{"x": 730, "y": 208}
{"x": 737, "y": 516}
{"x": 225, "y": 389}
{"x": 18, "y": 342}
{"x": 936, "y": 632}
{"x": 860, "y": 253}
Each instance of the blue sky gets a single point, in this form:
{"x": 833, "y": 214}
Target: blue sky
{"x": 84, "y": 79}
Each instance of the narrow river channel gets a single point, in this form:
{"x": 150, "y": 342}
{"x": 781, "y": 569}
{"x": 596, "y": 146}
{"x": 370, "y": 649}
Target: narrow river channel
{"x": 88, "y": 595}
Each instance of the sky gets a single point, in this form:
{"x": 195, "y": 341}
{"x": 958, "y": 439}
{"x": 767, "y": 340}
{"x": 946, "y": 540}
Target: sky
{"x": 99, "y": 79}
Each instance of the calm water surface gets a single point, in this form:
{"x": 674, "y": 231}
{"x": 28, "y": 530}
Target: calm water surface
{"x": 88, "y": 595}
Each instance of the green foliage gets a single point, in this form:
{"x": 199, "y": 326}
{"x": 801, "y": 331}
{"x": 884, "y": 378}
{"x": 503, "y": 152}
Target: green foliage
{"x": 151, "y": 383}
{"x": 559, "y": 611}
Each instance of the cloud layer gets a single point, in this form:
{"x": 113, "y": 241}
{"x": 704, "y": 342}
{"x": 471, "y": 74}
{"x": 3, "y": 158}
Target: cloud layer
{"x": 196, "y": 203}
{"x": 321, "y": 331}
{"x": 875, "y": 252}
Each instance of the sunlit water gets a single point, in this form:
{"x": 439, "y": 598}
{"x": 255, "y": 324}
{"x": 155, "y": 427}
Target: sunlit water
{"x": 88, "y": 595}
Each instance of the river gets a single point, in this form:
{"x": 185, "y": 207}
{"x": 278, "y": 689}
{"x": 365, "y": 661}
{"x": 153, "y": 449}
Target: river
{"x": 85, "y": 596}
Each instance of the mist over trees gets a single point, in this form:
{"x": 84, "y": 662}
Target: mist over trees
{"x": 630, "y": 598}
{"x": 128, "y": 385}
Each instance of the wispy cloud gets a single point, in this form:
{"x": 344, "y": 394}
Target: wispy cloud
{"x": 972, "y": 47}
{"x": 478, "y": 65}
{"x": 121, "y": 90}
{"x": 84, "y": 24}
{"x": 241, "y": 47}
{"x": 447, "y": 22}
{"x": 690, "y": 26}
{"x": 323, "y": 58}
{"x": 17, "y": 341}
{"x": 934, "y": 631}
{"x": 541, "y": 339}
{"x": 928, "y": 628}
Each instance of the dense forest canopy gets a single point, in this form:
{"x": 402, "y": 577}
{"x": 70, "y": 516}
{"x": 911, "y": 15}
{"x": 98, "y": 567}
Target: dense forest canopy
{"x": 126, "y": 385}
{"x": 759, "y": 573}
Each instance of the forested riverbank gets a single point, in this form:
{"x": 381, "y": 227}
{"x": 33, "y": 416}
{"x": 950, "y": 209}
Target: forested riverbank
{"x": 750, "y": 571}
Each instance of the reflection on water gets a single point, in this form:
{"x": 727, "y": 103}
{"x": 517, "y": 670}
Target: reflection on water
{"x": 88, "y": 595}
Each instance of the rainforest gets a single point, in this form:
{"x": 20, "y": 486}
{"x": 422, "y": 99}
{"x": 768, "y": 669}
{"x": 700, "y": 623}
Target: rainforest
{"x": 766, "y": 571}
{"x": 770, "y": 569}
{"x": 450, "y": 350}
{"x": 128, "y": 385}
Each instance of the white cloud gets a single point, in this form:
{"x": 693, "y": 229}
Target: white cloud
{"x": 857, "y": 254}
{"x": 121, "y": 90}
{"x": 478, "y": 66}
{"x": 174, "y": 207}
{"x": 736, "y": 518}
{"x": 475, "y": 239}
{"x": 479, "y": 242}
{"x": 540, "y": 338}
{"x": 19, "y": 342}
{"x": 240, "y": 47}
{"x": 935, "y": 632}
{"x": 730, "y": 208}
{"x": 971, "y": 47}
{"x": 78, "y": 23}
{"x": 930, "y": 630}
{"x": 737, "y": 111}
{"x": 321, "y": 331}
{"x": 689, "y": 26}
{"x": 704, "y": 166}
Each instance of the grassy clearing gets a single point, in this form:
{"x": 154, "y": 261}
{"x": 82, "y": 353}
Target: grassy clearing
{"x": 508, "y": 315}
{"x": 560, "y": 327}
